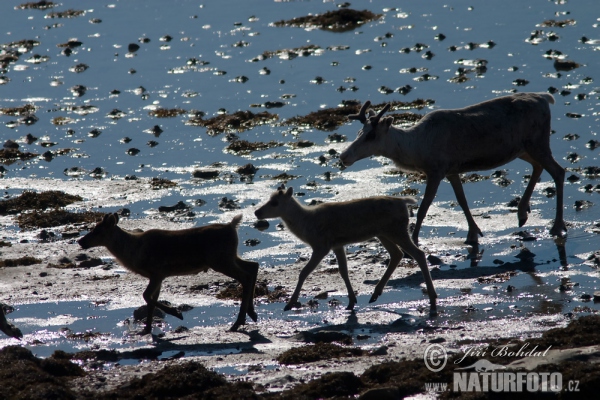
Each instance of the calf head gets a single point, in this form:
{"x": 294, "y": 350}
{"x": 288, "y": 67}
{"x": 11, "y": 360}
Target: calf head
{"x": 369, "y": 140}
{"x": 102, "y": 232}
{"x": 276, "y": 205}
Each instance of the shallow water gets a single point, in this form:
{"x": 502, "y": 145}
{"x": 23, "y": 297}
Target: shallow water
{"x": 227, "y": 36}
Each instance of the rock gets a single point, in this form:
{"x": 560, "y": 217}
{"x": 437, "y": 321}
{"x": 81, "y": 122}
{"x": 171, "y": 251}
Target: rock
{"x": 205, "y": 174}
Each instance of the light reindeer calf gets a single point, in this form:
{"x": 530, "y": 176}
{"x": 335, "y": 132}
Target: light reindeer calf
{"x": 157, "y": 254}
{"x": 331, "y": 226}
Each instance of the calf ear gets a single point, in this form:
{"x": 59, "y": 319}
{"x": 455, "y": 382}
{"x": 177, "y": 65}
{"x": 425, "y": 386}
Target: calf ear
{"x": 388, "y": 121}
{"x": 289, "y": 192}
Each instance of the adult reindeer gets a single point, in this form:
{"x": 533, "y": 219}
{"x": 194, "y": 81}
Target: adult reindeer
{"x": 446, "y": 143}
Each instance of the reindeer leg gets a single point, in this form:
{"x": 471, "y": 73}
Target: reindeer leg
{"x": 558, "y": 174}
{"x": 152, "y": 290}
{"x": 395, "y": 257}
{"x": 524, "y": 208}
{"x": 474, "y": 231}
{"x": 433, "y": 181}
{"x": 7, "y": 327}
{"x": 246, "y": 274}
{"x": 315, "y": 259}
{"x": 340, "y": 254}
{"x": 417, "y": 254}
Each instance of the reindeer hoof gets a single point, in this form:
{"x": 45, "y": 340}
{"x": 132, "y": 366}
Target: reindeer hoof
{"x": 522, "y": 221}
{"x": 147, "y": 330}
{"x": 350, "y": 307}
{"x": 291, "y": 305}
{"x": 13, "y": 331}
{"x": 374, "y": 298}
{"x": 235, "y": 327}
{"x": 178, "y": 314}
{"x": 252, "y": 314}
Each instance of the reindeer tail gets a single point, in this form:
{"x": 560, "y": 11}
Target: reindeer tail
{"x": 236, "y": 220}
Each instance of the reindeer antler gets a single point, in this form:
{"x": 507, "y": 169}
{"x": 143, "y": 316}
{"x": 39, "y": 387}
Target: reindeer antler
{"x": 375, "y": 120}
{"x": 361, "y": 116}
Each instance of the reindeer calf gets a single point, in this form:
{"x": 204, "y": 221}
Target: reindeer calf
{"x": 330, "y": 226}
{"x": 157, "y": 254}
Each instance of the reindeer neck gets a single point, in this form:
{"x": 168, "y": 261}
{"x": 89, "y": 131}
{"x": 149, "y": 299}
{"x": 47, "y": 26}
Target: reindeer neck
{"x": 295, "y": 218}
{"x": 402, "y": 146}
{"x": 122, "y": 245}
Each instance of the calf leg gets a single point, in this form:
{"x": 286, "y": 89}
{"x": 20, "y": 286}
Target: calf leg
{"x": 340, "y": 254}
{"x": 151, "y": 295}
{"x": 315, "y": 259}
{"x": 246, "y": 273}
{"x": 403, "y": 240}
{"x": 395, "y": 257}
{"x": 474, "y": 231}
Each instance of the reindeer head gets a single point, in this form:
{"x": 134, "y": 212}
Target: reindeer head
{"x": 101, "y": 233}
{"x": 367, "y": 142}
{"x": 276, "y": 205}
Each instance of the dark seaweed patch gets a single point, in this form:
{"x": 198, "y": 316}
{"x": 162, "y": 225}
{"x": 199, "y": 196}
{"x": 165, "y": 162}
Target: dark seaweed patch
{"x": 54, "y": 218}
{"x": 40, "y": 5}
{"x": 290, "y": 54}
{"x": 190, "y": 379}
{"x": 166, "y": 112}
{"x": 237, "y": 122}
{"x": 559, "y": 24}
{"x": 8, "y": 156}
{"x": 65, "y": 14}
{"x": 317, "y": 352}
{"x": 22, "y": 261}
{"x": 331, "y": 385}
{"x": 161, "y": 183}
{"x": 330, "y": 119}
{"x": 22, "y": 375}
{"x": 233, "y": 291}
{"x": 37, "y": 201}
{"x": 18, "y": 111}
{"x": 244, "y": 147}
{"x": 341, "y": 20}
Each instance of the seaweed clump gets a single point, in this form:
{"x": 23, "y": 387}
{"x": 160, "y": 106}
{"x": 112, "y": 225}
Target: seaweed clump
{"x": 341, "y": 20}
{"x": 166, "y": 112}
{"x": 40, "y": 5}
{"x": 244, "y": 147}
{"x": 55, "y": 218}
{"x": 330, "y": 119}
{"x": 176, "y": 381}
{"x": 29, "y": 200}
{"x": 21, "y": 261}
{"x": 161, "y": 183}
{"x": 8, "y": 156}
{"x": 22, "y": 375}
{"x": 317, "y": 352}
{"x": 239, "y": 121}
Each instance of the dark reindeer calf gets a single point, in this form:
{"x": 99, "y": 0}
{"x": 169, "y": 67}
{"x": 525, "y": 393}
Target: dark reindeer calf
{"x": 157, "y": 254}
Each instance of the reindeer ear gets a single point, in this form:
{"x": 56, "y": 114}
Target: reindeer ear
{"x": 111, "y": 219}
{"x": 116, "y": 218}
{"x": 105, "y": 218}
{"x": 388, "y": 121}
{"x": 289, "y": 192}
